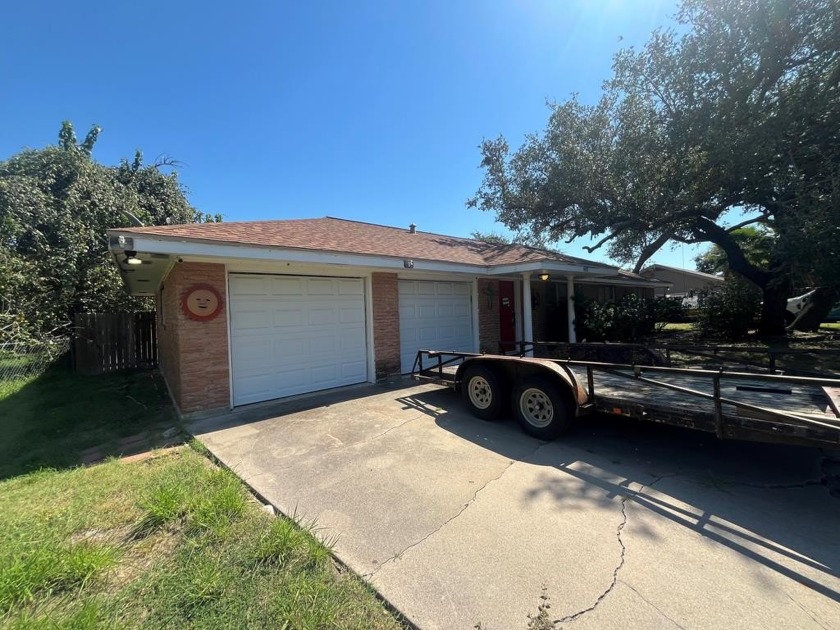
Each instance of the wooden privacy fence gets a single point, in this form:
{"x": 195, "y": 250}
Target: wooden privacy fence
{"x": 108, "y": 342}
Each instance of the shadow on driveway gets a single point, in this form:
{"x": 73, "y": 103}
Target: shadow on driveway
{"x": 748, "y": 497}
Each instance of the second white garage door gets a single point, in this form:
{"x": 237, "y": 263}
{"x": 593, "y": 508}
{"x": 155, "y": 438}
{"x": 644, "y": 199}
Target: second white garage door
{"x": 295, "y": 334}
{"x": 434, "y": 316}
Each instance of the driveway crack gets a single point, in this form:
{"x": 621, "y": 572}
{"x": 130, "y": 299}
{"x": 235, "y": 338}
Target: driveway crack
{"x": 618, "y": 567}
{"x": 652, "y": 605}
{"x": 387, "y": 431}
{"x": 624, "y": 498}
{"x": 463, "y": 508}
{"x": 806, "y": 611}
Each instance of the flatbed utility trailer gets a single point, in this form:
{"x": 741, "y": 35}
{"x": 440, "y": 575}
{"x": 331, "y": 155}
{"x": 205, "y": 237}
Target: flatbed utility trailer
{"x": 546, "y": 395}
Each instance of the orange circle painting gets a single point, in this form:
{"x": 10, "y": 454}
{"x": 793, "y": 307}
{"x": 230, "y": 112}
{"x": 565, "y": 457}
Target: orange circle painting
{"x": 201, "y": 302}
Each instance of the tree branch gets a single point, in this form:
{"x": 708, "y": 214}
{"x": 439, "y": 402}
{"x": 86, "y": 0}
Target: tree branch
{"x": 650, "y": 250}
{"x": 761, "y": 219}
{"x": 734, "y": 255}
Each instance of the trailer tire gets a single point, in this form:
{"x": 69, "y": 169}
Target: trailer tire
{"x": 482, "y": 391}
{"x": 542, "y": 408}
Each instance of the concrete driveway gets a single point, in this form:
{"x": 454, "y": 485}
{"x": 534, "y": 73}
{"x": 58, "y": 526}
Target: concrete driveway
{"x": 622, "y": 525}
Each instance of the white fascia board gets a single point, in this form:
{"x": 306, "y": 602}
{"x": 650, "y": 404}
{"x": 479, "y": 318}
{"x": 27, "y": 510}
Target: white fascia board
{"x": 626, "y": 282}
{"x": 595, "y": 269}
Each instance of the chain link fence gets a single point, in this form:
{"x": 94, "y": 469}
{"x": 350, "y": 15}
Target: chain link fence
{"x": 19, "y": 359}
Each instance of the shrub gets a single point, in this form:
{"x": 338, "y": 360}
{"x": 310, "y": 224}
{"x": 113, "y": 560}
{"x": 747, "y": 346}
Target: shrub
{"x": 729, "y": 311}
{"x": 670, "y": 310}
{"x": 628, "y": 319}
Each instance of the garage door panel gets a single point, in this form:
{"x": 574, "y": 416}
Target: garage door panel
{"x": 348, "y": 287}
{"x": 255, "y": 286}
{"x": 300, "y": 334}
{"x": 285, "y": 286}
{"x": 250, "y": 320}
{"x": 434, "y": 315}
{"x": 354, "y": 369}
{"x": 321, "y": 286}
{"x": 321, "y": 316}
{"x": 257, "y": 352}
{"x": 323, "y": 374}
{"x": 351, "y": 344}
{"x": 351, "y": 315}
{"x": 426, "y": 288}
{"x": 321, "y": 345}
{"x": 287, "y": 317}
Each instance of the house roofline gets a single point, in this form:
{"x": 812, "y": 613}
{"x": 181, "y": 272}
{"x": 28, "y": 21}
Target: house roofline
{"x": 691, "y": 272}
{"x": 179, "y": 245}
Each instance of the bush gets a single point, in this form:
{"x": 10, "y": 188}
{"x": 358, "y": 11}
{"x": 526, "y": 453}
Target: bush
{"x": 628, "y": 319}
{"x": 670, "y": 310}
{"x": 730, "y": 311}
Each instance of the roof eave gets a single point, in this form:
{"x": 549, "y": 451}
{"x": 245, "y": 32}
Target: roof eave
{"x": 182, "y": 246}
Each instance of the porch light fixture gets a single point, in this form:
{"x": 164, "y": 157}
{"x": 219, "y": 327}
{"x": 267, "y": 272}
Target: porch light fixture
{"x": 544, "y": 276}
{"x": 131, "y": 258}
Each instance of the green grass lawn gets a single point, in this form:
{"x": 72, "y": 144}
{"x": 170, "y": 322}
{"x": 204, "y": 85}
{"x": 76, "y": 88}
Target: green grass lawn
{"x": 51, "y": 419}
{"x": 168, "y": 541}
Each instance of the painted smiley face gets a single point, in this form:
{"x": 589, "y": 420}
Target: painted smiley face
{"x": 202, "y": 302}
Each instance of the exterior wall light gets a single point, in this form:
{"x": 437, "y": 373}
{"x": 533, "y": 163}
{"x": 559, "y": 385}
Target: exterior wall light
{"x": 544, "y": 277}
{"x": 131, "y": 258}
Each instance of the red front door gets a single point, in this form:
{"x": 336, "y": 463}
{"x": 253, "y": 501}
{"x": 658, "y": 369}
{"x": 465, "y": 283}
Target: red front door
{"x": 507, "y": 316}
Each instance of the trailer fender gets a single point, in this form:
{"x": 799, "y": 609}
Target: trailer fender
{"x": 512, "y": 370}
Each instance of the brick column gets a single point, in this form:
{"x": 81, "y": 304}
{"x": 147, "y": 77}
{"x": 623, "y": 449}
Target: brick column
{"x": 386, "y": 324}
{"x": 194, "y": 354}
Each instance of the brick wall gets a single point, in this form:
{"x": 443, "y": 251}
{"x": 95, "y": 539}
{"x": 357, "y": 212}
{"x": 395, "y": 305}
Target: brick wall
{"x": 194, "y": 354}
{"x": 166, "y": 302}
{"x": 386, "y": 323}
{"x": 488, "y": 316}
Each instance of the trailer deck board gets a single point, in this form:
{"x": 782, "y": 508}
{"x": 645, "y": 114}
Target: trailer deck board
{"x": 803, "y": 399}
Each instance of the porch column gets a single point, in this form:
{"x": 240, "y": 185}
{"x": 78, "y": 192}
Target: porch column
{"x": 527, "y": 317}
{"x": 570, "y": 293}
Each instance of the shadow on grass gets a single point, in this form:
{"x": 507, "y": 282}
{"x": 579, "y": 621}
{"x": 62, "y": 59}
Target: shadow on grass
{"x": 60, "y": 419}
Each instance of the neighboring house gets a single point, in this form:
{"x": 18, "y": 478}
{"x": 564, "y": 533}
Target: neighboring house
{"x": 254, "y": 311}
{"x": 683, "y": 282}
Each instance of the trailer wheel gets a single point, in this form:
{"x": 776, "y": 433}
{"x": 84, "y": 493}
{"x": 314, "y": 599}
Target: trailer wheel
{"x": 541, "y": 408}
{"x": 482, "y": 391}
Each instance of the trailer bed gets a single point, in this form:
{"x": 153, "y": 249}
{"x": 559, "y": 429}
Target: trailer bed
{"x": 734, "y": 405}
{"x": 800, "y": 413}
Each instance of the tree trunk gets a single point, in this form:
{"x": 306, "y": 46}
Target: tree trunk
{"x": 775, "y": 296}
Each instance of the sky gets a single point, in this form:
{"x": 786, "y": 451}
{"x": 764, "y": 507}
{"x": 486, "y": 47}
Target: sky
{"x": 363, "y": 110}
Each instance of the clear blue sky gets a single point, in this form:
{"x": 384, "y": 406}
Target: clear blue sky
{"x": 363, "y": 110}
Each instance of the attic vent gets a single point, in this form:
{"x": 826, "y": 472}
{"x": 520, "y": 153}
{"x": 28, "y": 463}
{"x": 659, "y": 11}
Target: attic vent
{"x": 412, "y": 229}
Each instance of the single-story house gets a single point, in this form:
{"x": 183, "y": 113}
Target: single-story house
{"x": 254, "y": 311}
{"x": 683, "y": 282}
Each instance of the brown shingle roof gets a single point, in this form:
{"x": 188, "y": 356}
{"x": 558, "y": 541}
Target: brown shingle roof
{"x": 354, "y": 237}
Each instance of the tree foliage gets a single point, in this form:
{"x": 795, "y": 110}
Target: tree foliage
{"x": 739, "y": 112}
{"x": 493, "y": 238}
{"x": 55, "y": 205}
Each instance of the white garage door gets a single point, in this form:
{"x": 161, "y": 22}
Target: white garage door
{"x": 434, "y": 316}
{"x": 295, "y": 334}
